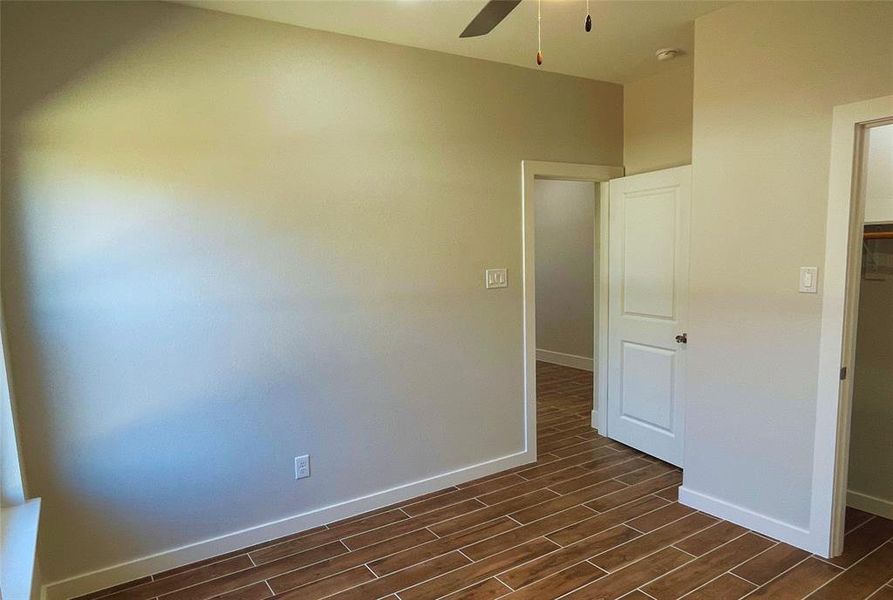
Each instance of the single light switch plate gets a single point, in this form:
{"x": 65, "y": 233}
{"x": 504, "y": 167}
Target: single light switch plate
{"x": 809, "y": 278}
{"x": 496, "y": 278}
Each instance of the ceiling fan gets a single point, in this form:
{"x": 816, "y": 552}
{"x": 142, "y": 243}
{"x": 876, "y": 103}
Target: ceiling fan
{"x": 496, "y": 10}
{"x": 490, "y": 16}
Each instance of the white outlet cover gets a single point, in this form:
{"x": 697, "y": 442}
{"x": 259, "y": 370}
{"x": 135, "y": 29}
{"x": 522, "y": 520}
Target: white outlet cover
{"x": 495, "y": 278}
{"x": 302, "y": 466}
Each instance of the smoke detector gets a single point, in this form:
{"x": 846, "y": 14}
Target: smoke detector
{"x": 667, "y": 53}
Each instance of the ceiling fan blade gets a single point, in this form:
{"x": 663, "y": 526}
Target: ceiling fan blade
{"x": 489, "y": 17}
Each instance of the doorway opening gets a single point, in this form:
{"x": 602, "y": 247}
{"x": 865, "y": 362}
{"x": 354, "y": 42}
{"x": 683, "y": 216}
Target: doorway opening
{"x": 606, "y": 290}
{"x": 564, "y": 174}
{"x": 853, "y": 456}
{"x": 566, "y": 259}
{"x": 870, "y": 464}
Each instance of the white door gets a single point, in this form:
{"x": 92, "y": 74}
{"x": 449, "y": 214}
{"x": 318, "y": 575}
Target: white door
{"x": 648, "y": 310}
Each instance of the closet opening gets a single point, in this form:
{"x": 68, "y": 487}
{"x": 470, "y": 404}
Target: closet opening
{"x": 869, "y": 485}
{"x": 870, "y": 473}
{"x": 852, "y": 492}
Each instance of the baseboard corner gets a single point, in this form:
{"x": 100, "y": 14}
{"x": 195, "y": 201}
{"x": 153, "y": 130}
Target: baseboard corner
{"x": 566, "y": 360}
{"x": 760, "y": 523}
{"x": 870, "y": 504}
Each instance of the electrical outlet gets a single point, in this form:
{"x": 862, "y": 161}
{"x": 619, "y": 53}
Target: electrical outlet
{"x": 302, "y": 466}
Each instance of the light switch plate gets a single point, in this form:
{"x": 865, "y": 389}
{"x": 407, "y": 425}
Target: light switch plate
{"x": 809, "y": 278}
{"x": 496, "y": 278}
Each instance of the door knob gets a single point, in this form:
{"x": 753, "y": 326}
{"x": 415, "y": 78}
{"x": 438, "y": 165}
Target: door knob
{"x": 682, "y": 338}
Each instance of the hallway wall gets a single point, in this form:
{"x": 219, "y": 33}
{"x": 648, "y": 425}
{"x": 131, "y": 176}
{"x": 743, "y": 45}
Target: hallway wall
{"x": 565, "y": 247}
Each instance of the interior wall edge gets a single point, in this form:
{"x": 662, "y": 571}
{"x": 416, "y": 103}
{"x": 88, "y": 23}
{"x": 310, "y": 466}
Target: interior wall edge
{"x": 100, "y": 579}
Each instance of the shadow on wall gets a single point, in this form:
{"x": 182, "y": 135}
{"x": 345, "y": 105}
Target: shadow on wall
{"x": 36, "y": 87}
{"x": 228, "y": 242}
{"x": 110, "y": 276}
{"x": 200, "y": 283}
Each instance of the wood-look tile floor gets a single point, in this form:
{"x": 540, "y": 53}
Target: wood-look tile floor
{"x": 590, "y": 520}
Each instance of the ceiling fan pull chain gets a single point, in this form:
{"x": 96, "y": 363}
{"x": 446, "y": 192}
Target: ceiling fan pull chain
{"x": 539, "y": 32}
{"x": 588, "y": 25}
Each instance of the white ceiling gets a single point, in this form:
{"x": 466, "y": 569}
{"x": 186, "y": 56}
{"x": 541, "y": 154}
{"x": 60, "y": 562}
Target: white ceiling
{"x": 620, "y": 48}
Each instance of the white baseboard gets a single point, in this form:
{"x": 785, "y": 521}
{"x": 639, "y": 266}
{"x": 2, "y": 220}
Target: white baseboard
{"x": 594, "y": 421}
{"x": 780, "y": 530}
{"x": 870, "y": 504}
{"x": 177, "y": 557}
{"x": 565, "y": 360}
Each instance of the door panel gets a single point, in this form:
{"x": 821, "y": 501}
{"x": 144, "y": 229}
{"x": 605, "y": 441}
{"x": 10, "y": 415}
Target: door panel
{"x": 647, "y": 382}
{"x": 648, "y": 248}
{"x": 647, "y": 309}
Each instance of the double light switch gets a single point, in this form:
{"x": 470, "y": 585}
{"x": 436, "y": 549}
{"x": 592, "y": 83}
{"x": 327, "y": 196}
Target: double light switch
{"x": 495, "y": 278}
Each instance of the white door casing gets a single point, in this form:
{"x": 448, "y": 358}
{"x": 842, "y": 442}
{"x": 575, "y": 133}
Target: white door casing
{"x": 840, "y": 297}
{"x": 648, "y": 309}
{"x": 530, "y": 171}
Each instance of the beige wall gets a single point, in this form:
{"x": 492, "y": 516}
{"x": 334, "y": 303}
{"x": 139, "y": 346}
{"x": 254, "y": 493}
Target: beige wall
{"x": 227, "y": 242}
{"x": 565, "y": 246}
{"x": 767, "y": 75}
{"x": 657, "y": 118}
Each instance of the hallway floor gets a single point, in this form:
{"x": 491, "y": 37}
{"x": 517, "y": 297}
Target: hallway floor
{"x": 590, "y": 520}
